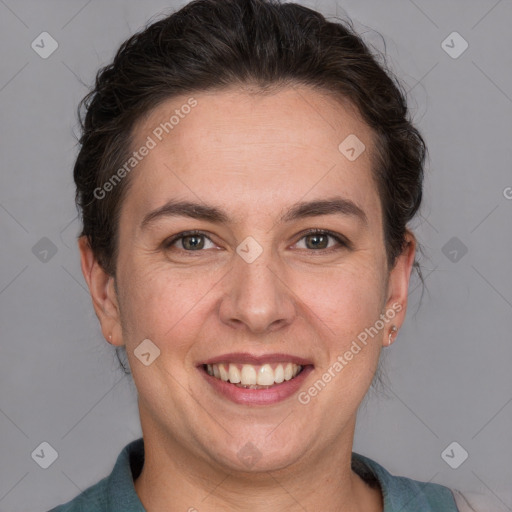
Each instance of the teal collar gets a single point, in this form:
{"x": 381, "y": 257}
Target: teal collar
{"x": 404, "y": 494}
{"x": 116, "y": 493}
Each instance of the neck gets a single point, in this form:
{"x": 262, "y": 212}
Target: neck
{"x": 174, "y": 479}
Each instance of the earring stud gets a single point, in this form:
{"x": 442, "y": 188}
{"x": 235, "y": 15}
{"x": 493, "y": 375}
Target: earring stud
{"x": 394, "y": 329}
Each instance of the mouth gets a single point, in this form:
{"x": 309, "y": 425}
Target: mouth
{"x": 256, "y": 380}
{"x": 250, "y": 376}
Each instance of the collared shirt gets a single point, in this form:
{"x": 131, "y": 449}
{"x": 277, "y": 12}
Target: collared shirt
{"x": 116, "y": 493}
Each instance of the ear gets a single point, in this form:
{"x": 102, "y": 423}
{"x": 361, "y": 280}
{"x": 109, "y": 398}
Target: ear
{"x": 103, "y": 293}
{"x": 398, "y": 285}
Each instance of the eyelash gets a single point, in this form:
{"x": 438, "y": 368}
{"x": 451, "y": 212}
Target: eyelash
{"x": 167, "y": 244}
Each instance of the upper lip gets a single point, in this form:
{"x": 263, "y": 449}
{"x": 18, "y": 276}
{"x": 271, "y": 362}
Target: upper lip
{"x": 246, "y": 358}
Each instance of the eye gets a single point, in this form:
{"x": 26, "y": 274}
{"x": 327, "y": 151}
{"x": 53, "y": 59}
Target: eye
{"x": 318, "y": 240}
{"x": 190, "y": 241}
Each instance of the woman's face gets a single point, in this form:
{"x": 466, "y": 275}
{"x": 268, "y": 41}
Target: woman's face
{"x": 253, "y": 288}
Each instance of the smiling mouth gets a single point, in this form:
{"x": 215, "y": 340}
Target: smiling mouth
{"x": 249, "y": 376}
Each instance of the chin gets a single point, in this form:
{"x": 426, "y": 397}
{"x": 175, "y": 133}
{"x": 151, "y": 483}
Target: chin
{"x": 257, "y": 456}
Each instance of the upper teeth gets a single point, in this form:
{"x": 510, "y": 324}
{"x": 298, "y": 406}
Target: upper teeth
{"x": 249, "y": 374}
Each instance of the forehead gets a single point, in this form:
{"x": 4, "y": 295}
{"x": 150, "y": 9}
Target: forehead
{"x": 253, "y": 149}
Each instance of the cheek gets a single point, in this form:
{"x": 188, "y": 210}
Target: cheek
{"x": 347, "y": 299}
{"x": 157, "y": 302}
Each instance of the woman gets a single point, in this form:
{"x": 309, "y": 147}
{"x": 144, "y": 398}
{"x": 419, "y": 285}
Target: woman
{"x": 246, "y": 176}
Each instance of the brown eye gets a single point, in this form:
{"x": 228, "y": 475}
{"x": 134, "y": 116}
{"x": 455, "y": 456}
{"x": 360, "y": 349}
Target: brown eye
{"x": 319, "y": 240}
{"x": 188, "y": 241}
{"x": 192, "y": 242}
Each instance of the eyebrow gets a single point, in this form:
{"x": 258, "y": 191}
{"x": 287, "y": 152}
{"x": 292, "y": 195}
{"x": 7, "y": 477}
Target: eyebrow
{"x": 301, "y": 210}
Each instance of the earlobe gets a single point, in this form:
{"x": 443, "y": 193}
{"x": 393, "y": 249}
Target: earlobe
{"x": 103, "y": 294}
{"x": 398, "y": 283}
{"x": 392, "y": 333}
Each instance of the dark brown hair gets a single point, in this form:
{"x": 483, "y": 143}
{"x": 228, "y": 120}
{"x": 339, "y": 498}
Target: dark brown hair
{"x": 211, "y": 44}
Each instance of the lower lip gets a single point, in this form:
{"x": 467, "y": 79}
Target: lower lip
{"x": 273, "y": 395}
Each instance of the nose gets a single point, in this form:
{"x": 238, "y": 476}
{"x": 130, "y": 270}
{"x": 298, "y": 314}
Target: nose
{"x": 257, "y": 297}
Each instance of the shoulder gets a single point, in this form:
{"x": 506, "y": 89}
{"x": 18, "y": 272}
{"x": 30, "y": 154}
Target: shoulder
{"x": 92, "y": 499}
{"x": 116, "y": 492}
{"x": 478, "y": 502}
{"x": 406, "y": 494}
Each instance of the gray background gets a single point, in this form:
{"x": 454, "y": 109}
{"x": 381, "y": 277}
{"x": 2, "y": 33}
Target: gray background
{"x": 449, "y": 375}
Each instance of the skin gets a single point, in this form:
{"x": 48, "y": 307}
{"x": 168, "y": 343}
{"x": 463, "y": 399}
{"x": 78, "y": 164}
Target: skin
{"x": 252, "y": 156}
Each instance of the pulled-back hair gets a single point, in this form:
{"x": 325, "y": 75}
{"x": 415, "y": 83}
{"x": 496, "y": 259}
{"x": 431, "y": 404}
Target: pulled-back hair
{"x": 261, "y": 44}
